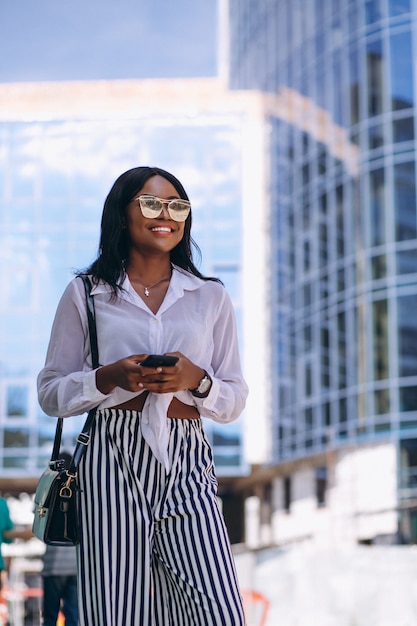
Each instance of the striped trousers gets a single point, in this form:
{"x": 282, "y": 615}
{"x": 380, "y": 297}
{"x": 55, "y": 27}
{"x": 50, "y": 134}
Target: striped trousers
{"x": 154, "y": 548}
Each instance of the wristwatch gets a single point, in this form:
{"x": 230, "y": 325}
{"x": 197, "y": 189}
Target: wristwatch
{"x": 203, "y": 387}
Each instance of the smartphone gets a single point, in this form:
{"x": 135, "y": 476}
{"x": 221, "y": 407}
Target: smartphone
{"x": 158, "y": 360}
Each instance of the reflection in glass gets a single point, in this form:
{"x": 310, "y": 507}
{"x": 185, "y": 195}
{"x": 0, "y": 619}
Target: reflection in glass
{"x": 229, "y": 460}
{"x": 408, "y": 399}
{"x": 15, "y": 438}
{"x": 405, "y": 201}
{"x": 403, "y": 130}
{"x": 340, "y": 231}
{"x": 23, "y": 179}
{"x": 341, "y": 280}
{"x": 325, "y": 358}
{"x": 407, "y": 335}
{"x": 16, "y": 462}
{"x": 380, "y": 337}
{"x": 19, "y": 288}
{"x": 307, "y": 259}
{"x": 377, "y": 206}
{"x": 375, "y": 69}
{"x": 381, "y": 401}
{"x": 398, "y": 7}
{"x": 372, "y": 11}
{"x": 55, "y": 184}
{"x": 379, "y": 267}
{"x": 341, "y": 349}
{"x": 337, "y": 88}
{"x": 407, "y": 261}
{"x": 354, "y": 86}
{"x": 376, "y": 136}
{"x": 408, "y": 463}
{"x": 308, "y": 377}
{"x": 17, "y": 400}
{"x": 307, "y": 294}
{"x": 401, "y": 71}
{"x": 323, "y": 242}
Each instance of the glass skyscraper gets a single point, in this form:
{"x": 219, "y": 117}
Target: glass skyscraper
{"x": 343, "y": 253}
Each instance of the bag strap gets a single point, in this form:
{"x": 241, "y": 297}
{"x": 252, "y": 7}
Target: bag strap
{"x": 83, "y": 438}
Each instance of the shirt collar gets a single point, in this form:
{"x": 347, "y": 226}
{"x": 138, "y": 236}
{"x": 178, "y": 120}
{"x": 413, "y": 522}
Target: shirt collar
{"x": 181, "y": 281}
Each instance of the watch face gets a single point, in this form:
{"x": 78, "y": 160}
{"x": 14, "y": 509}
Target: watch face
{"x": 205, "y": 384}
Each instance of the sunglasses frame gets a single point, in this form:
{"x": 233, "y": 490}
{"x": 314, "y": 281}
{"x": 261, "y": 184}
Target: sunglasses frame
{"x": 172, "y": 212}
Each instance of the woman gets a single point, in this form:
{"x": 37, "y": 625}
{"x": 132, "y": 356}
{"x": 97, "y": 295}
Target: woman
{"x": 154, "y": 547}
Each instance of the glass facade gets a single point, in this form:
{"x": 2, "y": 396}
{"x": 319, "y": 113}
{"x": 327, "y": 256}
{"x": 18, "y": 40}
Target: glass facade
{"x": 54, "y": 176}
{"x": 343, "y": 191}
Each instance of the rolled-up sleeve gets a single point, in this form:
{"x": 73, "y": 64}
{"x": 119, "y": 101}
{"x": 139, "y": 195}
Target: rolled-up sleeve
{"x": 229, "y": 391}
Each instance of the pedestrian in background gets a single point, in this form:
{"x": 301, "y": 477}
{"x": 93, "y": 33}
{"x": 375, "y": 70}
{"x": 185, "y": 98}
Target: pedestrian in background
{"x": 8, "y": 533}
{"x": 59, "y": 577}
{"x": 154, "y": 548}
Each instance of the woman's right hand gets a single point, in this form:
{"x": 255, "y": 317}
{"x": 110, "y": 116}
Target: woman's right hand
{"x": 125, "y": 373}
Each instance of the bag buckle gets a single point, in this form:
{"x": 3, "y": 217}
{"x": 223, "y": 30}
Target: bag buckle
{"x": 57, "y": 465}
{"x": 83, "y": 439}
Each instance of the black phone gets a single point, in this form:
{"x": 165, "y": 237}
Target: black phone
{"x": 158, "y": 360}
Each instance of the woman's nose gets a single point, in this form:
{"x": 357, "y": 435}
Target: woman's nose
{"x": 164, "y": 212}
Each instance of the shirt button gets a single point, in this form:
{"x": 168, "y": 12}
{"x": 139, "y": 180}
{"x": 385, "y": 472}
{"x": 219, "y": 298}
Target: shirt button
{"x": 155, "y": 320}
{"x": 145, "y": 420}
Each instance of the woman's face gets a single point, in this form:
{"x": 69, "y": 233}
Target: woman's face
{"x": 154, "y": 235}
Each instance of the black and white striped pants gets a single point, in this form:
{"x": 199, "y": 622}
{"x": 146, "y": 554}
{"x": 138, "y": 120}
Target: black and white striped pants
{"x": 154, "y": 549}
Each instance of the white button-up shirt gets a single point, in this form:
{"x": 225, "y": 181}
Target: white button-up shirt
{"x": 196, "y": 318}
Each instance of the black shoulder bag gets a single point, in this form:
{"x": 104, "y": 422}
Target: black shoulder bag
{"x": 56, "y": 520}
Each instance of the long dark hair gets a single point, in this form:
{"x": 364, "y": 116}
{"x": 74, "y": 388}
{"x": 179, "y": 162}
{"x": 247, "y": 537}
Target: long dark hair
{"x": 114, "y": 241}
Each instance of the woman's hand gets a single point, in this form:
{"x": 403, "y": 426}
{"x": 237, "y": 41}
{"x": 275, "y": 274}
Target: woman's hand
{"x": 169, "y": 379}
{"x": 128, "y": 374}
{"x": 125, "y": 373}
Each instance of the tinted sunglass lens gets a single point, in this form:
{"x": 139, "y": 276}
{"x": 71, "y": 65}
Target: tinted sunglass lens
{"x": 151, "y": 204}
{"x": 179, "y": 210}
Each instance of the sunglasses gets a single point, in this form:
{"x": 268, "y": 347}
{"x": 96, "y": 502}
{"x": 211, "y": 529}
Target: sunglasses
{"x": 152, "y": 207}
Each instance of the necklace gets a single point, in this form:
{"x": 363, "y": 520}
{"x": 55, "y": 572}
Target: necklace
{"x": 147, "y": 289}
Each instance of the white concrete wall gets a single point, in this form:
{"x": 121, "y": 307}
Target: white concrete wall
{"x": 308, "y": 585}
{"x": 361, "y": 499}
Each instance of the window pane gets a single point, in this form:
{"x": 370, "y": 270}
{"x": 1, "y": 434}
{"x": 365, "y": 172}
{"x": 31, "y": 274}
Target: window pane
{"x": 380, "y": 324}
{"x": 407, "y": 335}
{"x": 354, "y": 86}
{"x": 377, "y": 198}
{"x": 401, "y": 71}
{"x": 398, "y": 7}
{"x": 375, "y": 77}
{"x": 340, "y": 243}
{"x": 16, "y": 438}
{"x": 407, "y": 261}
{"x": 17, "y": 401}
{"x": 372, "y": 11}
{"x": 403, "y": 130}
{"x": 382, "y": 402}
{"x": 408, "y": 399}
{"x": 341, "y": 349}
{"x": 321, "y": 485}
{"x": 379, "y": 267}
{"x": 376, "y": 136}
{"x": 287, "y": 496}
{"x": 405, "y": 201}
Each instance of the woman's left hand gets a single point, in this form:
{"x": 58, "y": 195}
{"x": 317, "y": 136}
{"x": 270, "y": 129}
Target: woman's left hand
{"x": 169, "y": 379}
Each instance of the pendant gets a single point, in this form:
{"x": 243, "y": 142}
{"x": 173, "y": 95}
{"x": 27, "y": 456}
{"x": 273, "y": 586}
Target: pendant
{"x": 146, "y": 292}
